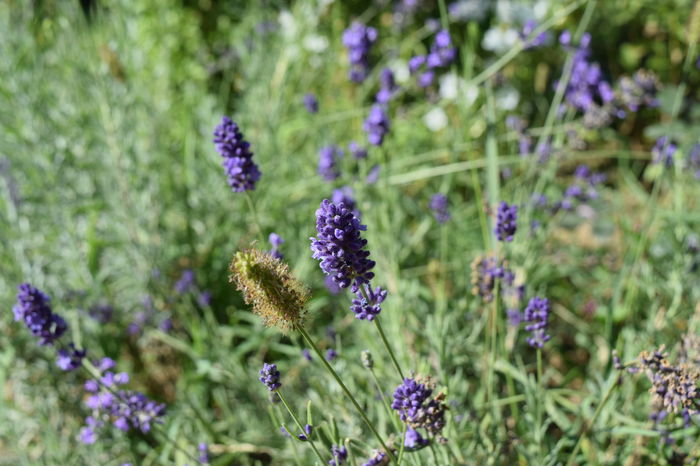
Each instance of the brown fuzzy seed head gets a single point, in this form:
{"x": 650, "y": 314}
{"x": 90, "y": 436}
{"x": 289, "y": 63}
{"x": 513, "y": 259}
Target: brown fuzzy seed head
{"x": 268, "y": 285}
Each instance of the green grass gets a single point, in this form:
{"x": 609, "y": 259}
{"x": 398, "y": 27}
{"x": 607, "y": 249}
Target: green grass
{"x": 108, "y": 174}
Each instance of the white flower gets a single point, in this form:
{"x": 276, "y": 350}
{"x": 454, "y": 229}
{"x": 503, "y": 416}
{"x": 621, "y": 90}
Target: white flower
{"x": 436, "y": 119}
{"x": 507, "y": 98}
{"x": 315, "y": 43}
{"x": 499, "y": 39}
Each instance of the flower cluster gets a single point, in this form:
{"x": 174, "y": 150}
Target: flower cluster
{"x": 270, "y": 377}
{"x": 369, "y": 306}
{"x": 537, "y": 315}
{"x": 340, "y": 455}
{"x": 376, "y": 125}
{"x": 486, "y": 271}
{"x": 506, "y": 221}
{"x": 34, "y": 308}
{"x": 639, "y": 91}
{"x": 71, "y": 358}
{"x": 438, "y": 204}
{"x": 664, "y": 150}
{"x": 358, "y": 39}
{"x": 441, "y": 55}
{"x": 343, "y": 257}
{"x": 186, "y": 281}
{"x": 125, "y": 409}
{"x": 357, "y": 151}
{"x": 238, "y": 163}
{"x": 413, "y": 402}
{"x": 674, "y": 388}
{"x": 276, "y": 241}
{"x": 387, "y": 86}
{"x": 328, "y": 158}
{"x": 311, "y": 103}
{"x": 339, "y": 246}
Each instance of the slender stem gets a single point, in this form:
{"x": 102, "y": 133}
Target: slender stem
{"x": 381, "y": 333}
{"x": 432, "y": 450}
{"x": 301, "y": 428}
{"x": 337, "y": 378}
{"x": 388, "y": 347}
{"x": 587, "y": 428}
{"x": 385, "y": 402}
{"x": 403, "y": 443}
{"x": 256, "y": 220}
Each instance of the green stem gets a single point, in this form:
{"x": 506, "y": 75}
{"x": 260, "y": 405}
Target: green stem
{"x": 388, "y": 347}
{"x": 385, "y": 402}
{"x": 590, "y": 425}
{"x": 403, "y": 443}
{"x": 337, "y": 378}
{"x": 256, "y": 220}
{"x": 381, "y": 333}
{"x": 301, "y": 428}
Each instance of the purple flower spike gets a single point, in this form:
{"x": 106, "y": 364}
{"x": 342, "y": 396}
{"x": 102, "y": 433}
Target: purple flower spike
{"x": 185, "y": 282}
{"x": 387, "y": 87}
{"x": 328, "y": 158}
{"x": 506, "y": 218}
{"x": 358, "y": 40}
{"x": 664, "y": 150}
{"x": 376, "y": 125}
{"x": 409, "y": 398}
{"x": 34, "y": 308}
{"x": 414, "y": 441}
{"x": 311, "y": 103}
{"x": 438, "y": 204}
{"x": 270, "y": 376}
{"x": 537, "y": 315}
{"x": 365, "y": 309}
{"x": 71, "y": 358}
{"x": 357, "y": 151}
{"x": 339, "y": 247}
{"x": 238, "y": 163}
{"x": 276, "y": 241}
{"x": 340, "y": 455}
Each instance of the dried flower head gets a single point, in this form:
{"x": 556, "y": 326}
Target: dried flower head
{"x": 673, "y": 388}
{"x": 268, "y": 285}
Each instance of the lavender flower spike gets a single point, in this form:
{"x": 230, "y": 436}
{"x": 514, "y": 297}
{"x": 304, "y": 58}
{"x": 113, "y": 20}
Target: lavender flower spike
{"x": 358, "y": 39}
{"x": 34, "y": 308}
{"x": 339, "y": 246}
{"x": 270, "y": 376}
{"x": 537, "y": 315}
{"x": 328, "y": 158}
{"x": 311, "y": 103}
{"x": 438, "y": 204}
{"x": 506, "y": 218}
{"x": 376, "y": 125}
{"x": 370, "y": 307}
{"x": 238, "y": 163}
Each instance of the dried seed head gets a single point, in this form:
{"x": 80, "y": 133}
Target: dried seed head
{"x": 268, "y": 285}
